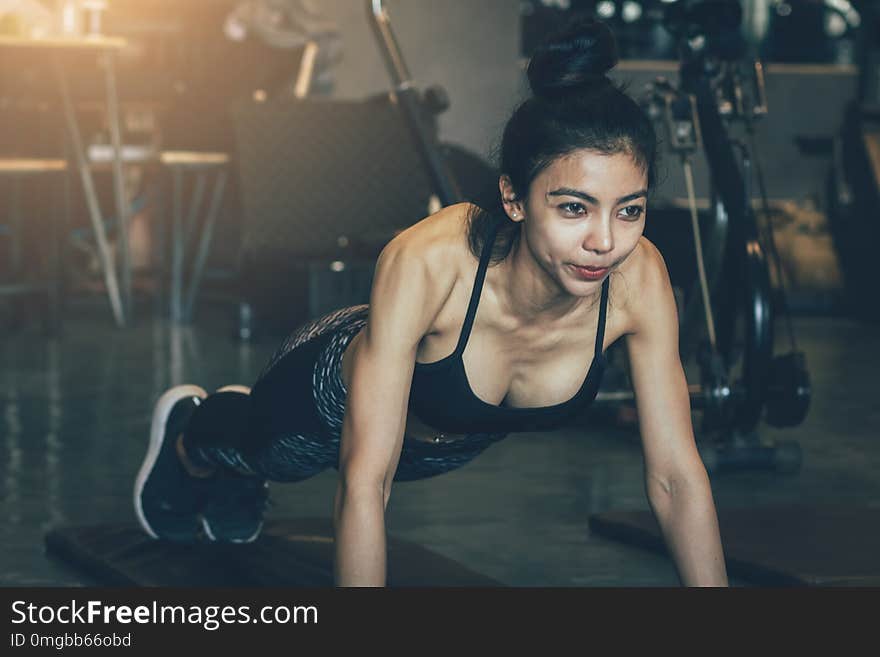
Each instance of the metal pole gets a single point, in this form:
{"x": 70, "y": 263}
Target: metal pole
{"x": 616, "y": 396}
{"x": 91, "y": 197}
{"x": 204, "y": 244}
{"x": 444, "y": 184}
{"x": 177, "y": 247}
{"x": 118, "y": 182}
{"x": 195, "y": 209}
{"x": 15, "y": 220}
{"x": 698, "y": 247}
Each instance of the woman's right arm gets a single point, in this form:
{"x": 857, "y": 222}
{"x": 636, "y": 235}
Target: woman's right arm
{"x": 404, "y": 300}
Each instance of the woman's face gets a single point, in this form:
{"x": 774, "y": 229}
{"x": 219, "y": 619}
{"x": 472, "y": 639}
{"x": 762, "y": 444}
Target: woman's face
{"x": 583, "y": 216}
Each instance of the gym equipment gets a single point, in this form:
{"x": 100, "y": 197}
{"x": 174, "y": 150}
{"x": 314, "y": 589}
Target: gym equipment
{"x": 718, "y": 89}
{"x": 456, "y": 174}
{"x": 294, "y": 155}
{"x": 293, "y": 160}
{"x": 295, "y": 552}
{"x": 410, "y": 104}
{"x": 776, "y": 546}
{"x": 728, "y": 315}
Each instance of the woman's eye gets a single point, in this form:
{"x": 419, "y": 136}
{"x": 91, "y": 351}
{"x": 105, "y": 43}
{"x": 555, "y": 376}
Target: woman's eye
{"x": 573, "y": 208}
{"x": 633, "y": 211}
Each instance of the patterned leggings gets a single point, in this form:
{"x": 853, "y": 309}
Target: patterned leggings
{"x": 289, "y": 427}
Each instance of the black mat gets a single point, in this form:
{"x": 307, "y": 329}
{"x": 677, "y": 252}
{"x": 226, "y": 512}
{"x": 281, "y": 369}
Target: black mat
{"x": 288, "y": 553}
{"x": 777, "y": 546}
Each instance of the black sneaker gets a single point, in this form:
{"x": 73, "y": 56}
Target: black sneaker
{"x": 234, "y": 512}
{"x": 167, "y": 499}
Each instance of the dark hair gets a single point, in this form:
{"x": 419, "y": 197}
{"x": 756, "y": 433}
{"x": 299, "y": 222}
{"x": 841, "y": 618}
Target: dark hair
{"x": 573, "y": 106}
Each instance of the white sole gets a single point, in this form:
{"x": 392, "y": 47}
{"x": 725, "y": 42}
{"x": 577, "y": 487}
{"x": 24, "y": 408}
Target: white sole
{"x": 250, "y": 539}
{"x": 157, "y": 431}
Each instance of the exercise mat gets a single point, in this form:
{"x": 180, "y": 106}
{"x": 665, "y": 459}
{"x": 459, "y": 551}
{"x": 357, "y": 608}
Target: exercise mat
{"x": 294, "y": 552}
{"x": 776, "y": 546}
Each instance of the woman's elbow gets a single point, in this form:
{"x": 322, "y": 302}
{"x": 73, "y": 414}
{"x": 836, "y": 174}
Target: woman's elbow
{"x": 361, "y": 483}
{"x": 691, "y": 482}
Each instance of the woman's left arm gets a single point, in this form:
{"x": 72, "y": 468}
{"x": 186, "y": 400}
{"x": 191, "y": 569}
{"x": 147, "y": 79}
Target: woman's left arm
{"x": 676, "y": 482}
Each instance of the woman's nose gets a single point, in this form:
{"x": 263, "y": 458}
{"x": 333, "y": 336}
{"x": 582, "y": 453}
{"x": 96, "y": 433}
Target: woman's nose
{"x": 599, "y": 238}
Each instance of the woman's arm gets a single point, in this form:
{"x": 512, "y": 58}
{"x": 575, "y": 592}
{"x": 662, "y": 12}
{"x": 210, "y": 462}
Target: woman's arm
{"x": 676, "y": 482}
{"x": 405, "y": 298}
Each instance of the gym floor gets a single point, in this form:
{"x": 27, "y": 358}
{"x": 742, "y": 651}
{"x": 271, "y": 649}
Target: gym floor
{"x": 76, "y": 412}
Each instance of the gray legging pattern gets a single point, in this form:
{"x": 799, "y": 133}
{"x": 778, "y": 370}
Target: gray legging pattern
{"x": 293, "y": 454}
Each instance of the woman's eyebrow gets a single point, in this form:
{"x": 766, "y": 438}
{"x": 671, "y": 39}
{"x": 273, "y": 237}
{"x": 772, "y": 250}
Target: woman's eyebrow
{"x": 589, "y": 198}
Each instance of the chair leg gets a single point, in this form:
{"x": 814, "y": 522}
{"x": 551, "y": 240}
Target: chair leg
{"x": 18, "y": 304}
{"x": 204, "y": 245}
{"x": 53, "y": 265}
{"x": 177, "y": 254}
{"x": 15, "y": 224}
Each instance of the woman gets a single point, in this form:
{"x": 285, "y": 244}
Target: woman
{"x": 480, "y": 323}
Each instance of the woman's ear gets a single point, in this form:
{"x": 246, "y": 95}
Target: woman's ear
{"x": 513, "y": 206}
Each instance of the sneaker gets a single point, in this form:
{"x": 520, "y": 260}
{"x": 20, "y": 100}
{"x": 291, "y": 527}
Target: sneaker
{"x": 167, "y": 499}
{"x": 234, "y": 512}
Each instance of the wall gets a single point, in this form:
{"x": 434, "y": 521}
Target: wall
{"x": 469, "y": 47}
{"x": 472, "y": 49}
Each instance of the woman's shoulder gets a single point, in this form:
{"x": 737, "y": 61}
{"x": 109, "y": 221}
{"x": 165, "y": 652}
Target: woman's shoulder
{"x": 434, "y": 250}
{"x": 438, "y": 241}
{"x": 647, "y": 263}
{"x": 643, "y": 281}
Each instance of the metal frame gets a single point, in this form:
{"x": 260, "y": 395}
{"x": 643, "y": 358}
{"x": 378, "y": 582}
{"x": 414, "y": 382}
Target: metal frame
{"x": 743, "y": 273}
{"x": 118, "y": 282}
{"x": 410, "y": 104}
{"x": 183, "y": 292}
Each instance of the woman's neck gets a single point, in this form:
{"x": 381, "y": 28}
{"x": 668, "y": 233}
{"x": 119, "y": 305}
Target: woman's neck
{"x": 526, "y": 291}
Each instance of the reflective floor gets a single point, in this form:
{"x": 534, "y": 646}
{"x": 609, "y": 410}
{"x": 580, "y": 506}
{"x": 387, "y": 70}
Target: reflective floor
{"x": 76, "y": 410}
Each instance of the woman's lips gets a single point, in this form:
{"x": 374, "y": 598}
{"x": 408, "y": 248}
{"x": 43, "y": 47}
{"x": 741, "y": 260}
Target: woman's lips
{"x": 589, "y": 273}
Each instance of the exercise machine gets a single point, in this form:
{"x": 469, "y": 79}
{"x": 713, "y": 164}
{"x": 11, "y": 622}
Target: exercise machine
{"x": 729, "y": 311}
{"x": 291, "y": 154}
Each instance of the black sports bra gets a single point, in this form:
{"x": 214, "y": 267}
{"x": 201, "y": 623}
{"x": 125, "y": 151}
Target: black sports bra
{"x": 442, "y": 398}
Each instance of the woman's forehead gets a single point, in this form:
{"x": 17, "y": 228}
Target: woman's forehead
{"x": 599, "y": 174}
{"x": 592, "y": 164}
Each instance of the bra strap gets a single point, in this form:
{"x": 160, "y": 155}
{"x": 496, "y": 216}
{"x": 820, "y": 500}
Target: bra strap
{"x": 603, "y": 305}
{"x": 478, "y": 287}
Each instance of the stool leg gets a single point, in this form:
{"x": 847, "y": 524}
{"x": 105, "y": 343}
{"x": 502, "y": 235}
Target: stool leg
{"x": 177, "y": 247}
{"x": 122, "y": 214}
{"x": 15, "y": 226}
{"x": 204, "y": 244}
{"x": 75, "y": 138}
{"x": 158, "y": 199}
{"x": 64, "y": 228}
{"x": 195, "y": 210}
{"x": 52, "y": 261}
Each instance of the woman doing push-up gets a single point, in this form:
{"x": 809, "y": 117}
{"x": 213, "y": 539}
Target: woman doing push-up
{"x": 481, "y": 322}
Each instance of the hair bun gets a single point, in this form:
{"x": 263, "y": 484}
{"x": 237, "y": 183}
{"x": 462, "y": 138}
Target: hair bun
{"x": 574, "y": 60}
